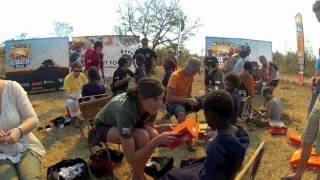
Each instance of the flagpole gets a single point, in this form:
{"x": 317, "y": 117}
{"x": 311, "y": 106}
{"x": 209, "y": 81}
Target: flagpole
{"x": 178, "y": 48}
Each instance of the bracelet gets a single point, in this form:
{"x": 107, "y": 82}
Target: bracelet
{"x": 20, "y": 130}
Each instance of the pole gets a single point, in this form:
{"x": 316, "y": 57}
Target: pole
{"x": 178, "y": 47}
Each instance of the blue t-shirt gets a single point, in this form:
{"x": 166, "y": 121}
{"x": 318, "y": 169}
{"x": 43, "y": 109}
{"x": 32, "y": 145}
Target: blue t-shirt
{"x": 238, "y": 66}
{"x": 73, "y": 57}
{"x": 91, "y": 89}
{"x": 225, "y": 155}
{"x": 317, "y": 67}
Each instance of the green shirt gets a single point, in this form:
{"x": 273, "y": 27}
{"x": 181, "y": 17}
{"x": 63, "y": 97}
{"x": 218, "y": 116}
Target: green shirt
{"x": 124, "y": 114}
{"x": 311, "y": 132}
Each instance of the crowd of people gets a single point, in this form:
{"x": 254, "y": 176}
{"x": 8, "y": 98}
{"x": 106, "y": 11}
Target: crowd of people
{"x": 129, "y": 117}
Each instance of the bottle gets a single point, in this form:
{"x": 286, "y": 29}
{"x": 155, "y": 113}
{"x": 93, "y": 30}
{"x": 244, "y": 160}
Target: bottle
{"x": 210, "y": 86}
{"x": 217, "y": 85}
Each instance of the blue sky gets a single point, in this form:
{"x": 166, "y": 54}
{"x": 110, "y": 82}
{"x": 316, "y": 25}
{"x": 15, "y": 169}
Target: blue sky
{"x": 271, "y": 20}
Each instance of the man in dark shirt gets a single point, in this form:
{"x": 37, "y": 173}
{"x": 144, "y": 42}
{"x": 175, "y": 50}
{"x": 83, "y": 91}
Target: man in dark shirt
{"x": 149, "y": 56}
{"x": 212, "y": 75}
{"x": 120, "y": 79}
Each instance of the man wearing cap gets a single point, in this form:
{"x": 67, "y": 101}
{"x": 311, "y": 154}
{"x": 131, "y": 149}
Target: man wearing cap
{"x": 212, "y": 74}
{"x": 244, "y": 52}
{"x": 311, "y": 131}
{"x": 179, "y": 90}
{"x": 149, "y": 56}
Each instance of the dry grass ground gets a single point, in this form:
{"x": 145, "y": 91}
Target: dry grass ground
{"x": 66, "y": 143}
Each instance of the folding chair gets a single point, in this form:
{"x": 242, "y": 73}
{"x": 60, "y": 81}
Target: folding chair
{"x": 249, "y": 171}
{"x": 245, "y": 109}
{"x": 89, "y": 107}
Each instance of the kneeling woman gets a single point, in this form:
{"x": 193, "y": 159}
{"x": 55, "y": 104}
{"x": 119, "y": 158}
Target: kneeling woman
{"x": 128, "y": 119}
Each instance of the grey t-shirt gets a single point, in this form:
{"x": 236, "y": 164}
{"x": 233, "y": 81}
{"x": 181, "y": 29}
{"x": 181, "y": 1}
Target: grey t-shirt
{"x": 276, "y": 110}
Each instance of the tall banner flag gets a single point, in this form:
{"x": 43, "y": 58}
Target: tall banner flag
{"x": 300, "y": 43}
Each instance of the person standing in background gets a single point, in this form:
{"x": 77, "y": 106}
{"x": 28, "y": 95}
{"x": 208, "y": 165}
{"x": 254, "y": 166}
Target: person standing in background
{"x": 94, "y": 58}
{"x": 212, "y": 75}
{"x": 149, "y": 56}
{"x": 170, "y": 65}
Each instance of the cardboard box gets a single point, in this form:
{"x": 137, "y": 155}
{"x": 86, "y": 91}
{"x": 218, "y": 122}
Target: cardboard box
{"x": 295, "y": 139}
{"x": 313, "y": 162}
{"x": 187, "y": 131}
{"x": 277, "y": 128}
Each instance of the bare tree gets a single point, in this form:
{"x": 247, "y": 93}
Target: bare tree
{"x": 21, "y": 36}
{"x": 62, "y": 29}
{"x": 159, "y": 20}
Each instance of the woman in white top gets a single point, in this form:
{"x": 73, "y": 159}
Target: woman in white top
{"x": 20, "y": 150}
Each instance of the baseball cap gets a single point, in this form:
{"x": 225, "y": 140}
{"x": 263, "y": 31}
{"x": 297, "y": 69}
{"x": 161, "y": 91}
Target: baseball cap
{"x": 193, "y": 64}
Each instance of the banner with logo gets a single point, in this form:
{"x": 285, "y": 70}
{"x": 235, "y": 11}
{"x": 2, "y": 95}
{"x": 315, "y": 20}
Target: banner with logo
{"x": 37, "y": 64}
{"x": 113, "y": 48}
{"x": 224, "y": 48}
{"x": 300, "y": 41}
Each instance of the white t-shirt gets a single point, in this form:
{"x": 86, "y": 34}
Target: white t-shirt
{"x": 15, "y": 108}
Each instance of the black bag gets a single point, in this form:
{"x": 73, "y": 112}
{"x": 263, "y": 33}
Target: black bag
{"x": 158, "y": 166}
{"x": 53, "y": 171}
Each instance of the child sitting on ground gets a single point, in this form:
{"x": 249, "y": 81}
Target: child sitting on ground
{"x": 271, "y": 111}
{"x": 225, "y": 152}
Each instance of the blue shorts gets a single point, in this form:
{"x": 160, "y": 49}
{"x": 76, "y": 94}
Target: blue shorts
{"x": 176, "y": 108}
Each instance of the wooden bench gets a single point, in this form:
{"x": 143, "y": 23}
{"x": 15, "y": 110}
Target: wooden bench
{"x": 249, "y": 171}
{"x": 89, "y": 108}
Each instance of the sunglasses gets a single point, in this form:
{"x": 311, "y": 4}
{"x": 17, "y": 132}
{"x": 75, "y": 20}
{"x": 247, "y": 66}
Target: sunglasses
{"x": 77, "y": 70}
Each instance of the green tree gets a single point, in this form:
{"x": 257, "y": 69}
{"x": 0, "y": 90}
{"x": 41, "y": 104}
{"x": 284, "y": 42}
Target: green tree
{"x": 62, "y": 29}
{"x": 158, "y": 20}
{"x": 309, "y": 56}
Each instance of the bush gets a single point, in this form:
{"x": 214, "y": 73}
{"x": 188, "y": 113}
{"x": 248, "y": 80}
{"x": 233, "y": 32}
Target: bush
{"x": 288, "y": 64}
